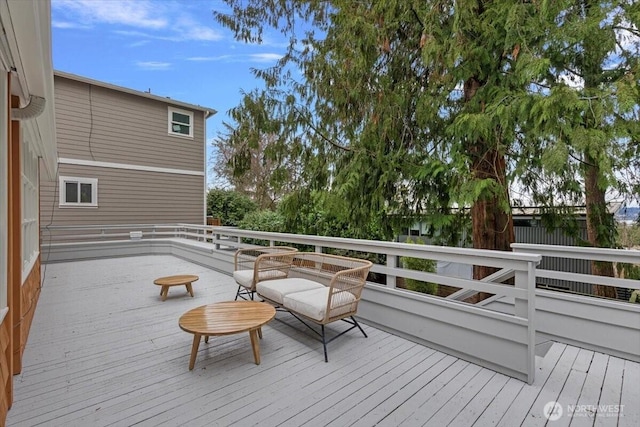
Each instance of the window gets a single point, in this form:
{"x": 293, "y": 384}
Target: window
{"x": 180, "y": 122}
{"x": 30, "y": 212}
{"x": 78, "y": 192}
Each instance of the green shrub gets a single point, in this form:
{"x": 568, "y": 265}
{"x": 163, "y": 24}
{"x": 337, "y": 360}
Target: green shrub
{"x": 419, "y": 264}
{"x": 229, "y": 206}
{"x": 263, "y": 221}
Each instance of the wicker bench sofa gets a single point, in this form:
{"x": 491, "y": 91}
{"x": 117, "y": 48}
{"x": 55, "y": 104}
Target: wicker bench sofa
{"x": 318, "y": 289}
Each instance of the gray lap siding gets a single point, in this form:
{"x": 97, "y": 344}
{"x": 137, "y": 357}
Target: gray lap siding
{"x": 101, "y": 124}
{"x": 120, "y": 137}
{"x": 127, "y": 197}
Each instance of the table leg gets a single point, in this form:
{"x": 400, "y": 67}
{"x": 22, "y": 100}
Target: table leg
{"x": 194, "y": 350}
{"x": 255, "y": 345}
{"x": 206, "y": 339}
{"x": 164, "y": 292}
{"x": 189, "y": 289}
{"x": 260, "y": 333}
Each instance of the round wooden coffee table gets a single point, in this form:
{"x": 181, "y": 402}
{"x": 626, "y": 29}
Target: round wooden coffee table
{"x": 167, "y": 282}
{"x": 227, "y": 318}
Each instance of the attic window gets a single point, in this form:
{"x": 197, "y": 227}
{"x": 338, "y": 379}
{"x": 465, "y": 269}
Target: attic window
{"x": 180, "y": 122}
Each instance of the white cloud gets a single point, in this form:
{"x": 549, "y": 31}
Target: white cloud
{"x": 190, "y": 29}
{"x": 148, "y": 19}
{"x": 209, "y": 58}
{"x": 254, "y": 57}
{"x": 153, "y": 65}
{"x": 265, "y": 57}
{"x": 139, "y": 43}
{"x": 68, "y": 25}
{"x": 139, "y": 13}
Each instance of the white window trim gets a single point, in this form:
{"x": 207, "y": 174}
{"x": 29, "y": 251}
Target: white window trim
{"x": 170, "y": 112}
{"x": 63, "y": 192}
{"x": 30, "y": 208}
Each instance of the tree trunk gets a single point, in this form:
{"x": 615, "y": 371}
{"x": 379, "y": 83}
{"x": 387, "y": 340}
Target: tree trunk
{"x": 492, "y": 225}
{"x": 599, "y": 223}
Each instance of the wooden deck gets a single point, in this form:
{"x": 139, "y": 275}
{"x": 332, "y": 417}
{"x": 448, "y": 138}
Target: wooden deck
{"x": 105, "y": 350}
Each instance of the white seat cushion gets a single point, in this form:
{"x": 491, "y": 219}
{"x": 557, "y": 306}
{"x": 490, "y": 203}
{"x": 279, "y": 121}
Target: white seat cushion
{"x": 276, "y": 290}
{"x": 245, "y": 277}
{"x": 313, "y": 303}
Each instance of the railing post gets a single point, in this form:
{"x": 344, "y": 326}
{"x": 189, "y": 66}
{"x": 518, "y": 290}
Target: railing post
{"x": 526, "y": 280}
{"x": 392, "y": 262}
{"x": 319, "y": 249}
{"x": 217, "y": 242}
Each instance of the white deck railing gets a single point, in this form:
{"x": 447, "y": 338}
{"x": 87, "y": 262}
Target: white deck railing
{"x": 584, "y": 253}
{"x": 504, "y": 342}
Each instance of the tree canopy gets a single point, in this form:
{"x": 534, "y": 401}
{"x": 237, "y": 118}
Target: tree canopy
{"x": 406, "y": 109}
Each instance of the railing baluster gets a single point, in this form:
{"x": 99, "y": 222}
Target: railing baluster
{"x": 392, "y": 263}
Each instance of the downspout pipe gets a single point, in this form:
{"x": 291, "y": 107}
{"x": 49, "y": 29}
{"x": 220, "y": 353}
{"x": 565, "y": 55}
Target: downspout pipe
{"x": 30, "y": 111}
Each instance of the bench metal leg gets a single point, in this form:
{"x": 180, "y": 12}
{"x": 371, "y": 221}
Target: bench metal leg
{"x": 322, "y": 335}
{"x": 324, "y": 344}
{"x": 355, "y": 322}
{"x": 242, "y": 291}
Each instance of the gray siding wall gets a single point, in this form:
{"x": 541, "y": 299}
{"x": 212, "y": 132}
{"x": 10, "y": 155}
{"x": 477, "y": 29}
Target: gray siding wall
{"x": 127, "y": 197}
{"x": 100, "y": 124}
{"x": 105, "y": 125}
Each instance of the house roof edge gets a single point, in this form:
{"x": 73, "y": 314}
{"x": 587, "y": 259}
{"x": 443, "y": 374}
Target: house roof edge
{"x": 208, "y": 111}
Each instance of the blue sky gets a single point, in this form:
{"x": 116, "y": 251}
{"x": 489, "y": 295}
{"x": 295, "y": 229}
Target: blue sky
{"x": 172, "y": 47}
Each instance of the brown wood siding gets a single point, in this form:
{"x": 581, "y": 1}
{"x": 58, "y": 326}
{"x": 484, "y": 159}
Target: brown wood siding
{"x": 122, "y": 128}
{"x": 127, "y": 197}
{"x": 14, "y": 264}
{"x": 6, "y": 376}
{"x": 6, "y": 349}
{"x": 30, "y": 292}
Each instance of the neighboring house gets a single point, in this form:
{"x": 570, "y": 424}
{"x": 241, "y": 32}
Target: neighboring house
{"x": 27, "y": 140}
{"x": 125, "y": 157}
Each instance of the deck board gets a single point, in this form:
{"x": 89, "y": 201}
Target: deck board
{"x": 471, "y": 412}
{"x": 630, "y": 395}
{"x": 590, "y": 393}
{"x": 450, "y": 409}
{"x": 573, "y": 385}
{"x": 104, "y": 350}
{"x": 552, "y": 388}
{"x": 611, "y": 394}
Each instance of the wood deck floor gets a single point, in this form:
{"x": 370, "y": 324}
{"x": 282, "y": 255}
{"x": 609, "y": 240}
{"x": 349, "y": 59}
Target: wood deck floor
{"x": 105, "y": 350}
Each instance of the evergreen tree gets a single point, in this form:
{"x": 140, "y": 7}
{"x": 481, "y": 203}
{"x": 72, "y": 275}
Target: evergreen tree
{"x": 249, "y": 159}
{"x": 407, "y": 108}
{"x": 588, "y": 112}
